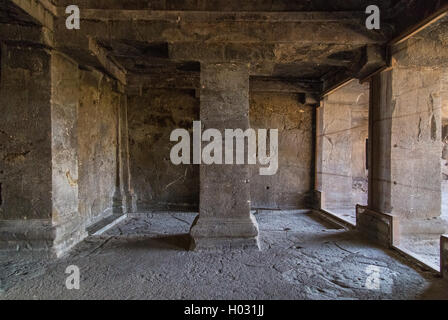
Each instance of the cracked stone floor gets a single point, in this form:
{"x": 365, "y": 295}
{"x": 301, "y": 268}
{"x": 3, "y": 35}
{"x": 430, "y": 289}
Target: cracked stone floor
{"x": 145, "y": 257}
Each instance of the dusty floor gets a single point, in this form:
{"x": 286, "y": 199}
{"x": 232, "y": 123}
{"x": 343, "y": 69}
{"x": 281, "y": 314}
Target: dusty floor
{"x": 145, "y": 258}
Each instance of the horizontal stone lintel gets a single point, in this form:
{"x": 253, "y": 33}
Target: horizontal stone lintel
{"x": 218, "y": 16}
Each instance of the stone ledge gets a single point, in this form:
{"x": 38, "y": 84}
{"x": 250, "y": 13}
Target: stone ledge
{"x": 334, "y": 219}
{"x": 105, "y": 224}
{"x": 379, "y": 227}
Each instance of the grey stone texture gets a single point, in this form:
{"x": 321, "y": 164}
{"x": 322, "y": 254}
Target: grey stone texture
{"x": 25, "y": 136}
{"x": 342, "y": 132}
{"x": 97, "y": 143}
{"x": 59, "y": 149}
{"x": 224, "y": 208}
{"x": 86, "y": 115}
{"x": 291, "y": 187}
{"x": 145, "y": 257}
{"x": 379, "y": 227}
{"x": 406, "y": 149}
{"x": 156, "y": 180}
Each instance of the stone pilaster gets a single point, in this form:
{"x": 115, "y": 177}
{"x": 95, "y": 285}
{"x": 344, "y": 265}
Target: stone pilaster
{"x": 69, "y": 225}
{"x": 125, "y": 199}
{"x": 131, "y": 197}
{"x": 224, "y": 219}
{"x": 406, "y": 146}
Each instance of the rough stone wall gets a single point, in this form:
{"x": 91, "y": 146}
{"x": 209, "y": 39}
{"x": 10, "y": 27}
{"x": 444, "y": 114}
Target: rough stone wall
{"x": 444, "y": 163}
{"x": 156, "y": 181}
{"x": 70, "y": 227}
{"x": 25, "y": 139}
{"x": 342, "y": 134}
{"x": 416, "y": 142}
{"x": 359, "y": 135}
{"x": 408, "y": 156}
{"x": 291, "y": 186}
{"x": 58, "y": 137}
{"x": 97, "y": 142}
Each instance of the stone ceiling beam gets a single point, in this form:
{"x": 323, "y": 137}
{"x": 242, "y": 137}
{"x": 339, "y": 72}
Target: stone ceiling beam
{"x": 305, "y": 33}
{"x": 107, "y": 62}
{"x": 27, "y": 34}
{"x": 138, "y": 82}
{"x": 229, "y": 5}
{"x": 322, "y": 54}
{"x": 372, "y": 59}
{"x": 219, "y": 16}
{"x": 43, "y": 11}
{"x": 268, "y": 84}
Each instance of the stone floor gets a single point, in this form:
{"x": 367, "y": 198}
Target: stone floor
{"x": 145, "y": 257}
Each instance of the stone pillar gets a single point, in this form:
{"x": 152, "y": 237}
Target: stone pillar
{"x": 69, "y": 225}
{"x": 406, "y": 147}
{"x": 25, "y": 148}
{"x": 380, "y": 126}
{"x": 128, "y": 192}
{"x": 38, "y": 145}
{"x": 119, "y": 199}
{"x": 224, "y": 219}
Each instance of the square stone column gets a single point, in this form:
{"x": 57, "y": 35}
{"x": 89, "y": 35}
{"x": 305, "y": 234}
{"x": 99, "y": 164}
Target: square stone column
{"x": 124, "y": 198}
{"x": 406, "y": 147}
{"x": 39, "y": 98}
{"x": 224, "y": 219}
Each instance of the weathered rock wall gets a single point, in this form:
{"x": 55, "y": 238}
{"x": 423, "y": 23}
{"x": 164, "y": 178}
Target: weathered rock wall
{"x": 291, "y": 186}
{"x": 407, "y": 124}
{"x": 159, "y": 183}
{"x": 97, "y": 141}
{"x": 156, "y": 181}
{"x": 25, "y": 137}
{"x": 58, "y": 148}
{"x": 69, "y": 225}
{"x": 342, "y": 134}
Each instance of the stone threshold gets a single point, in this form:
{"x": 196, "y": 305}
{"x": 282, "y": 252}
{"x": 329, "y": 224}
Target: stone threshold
{"x": 332, "y": 218}
{"x": 105, "y": 224}
{"x": 416, "y": 259}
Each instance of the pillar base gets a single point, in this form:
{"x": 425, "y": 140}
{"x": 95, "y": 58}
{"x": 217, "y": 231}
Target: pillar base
{"x": 224, "y": 233}
{"x": 119, "y": 203}
{"x": 131, "y": 203}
